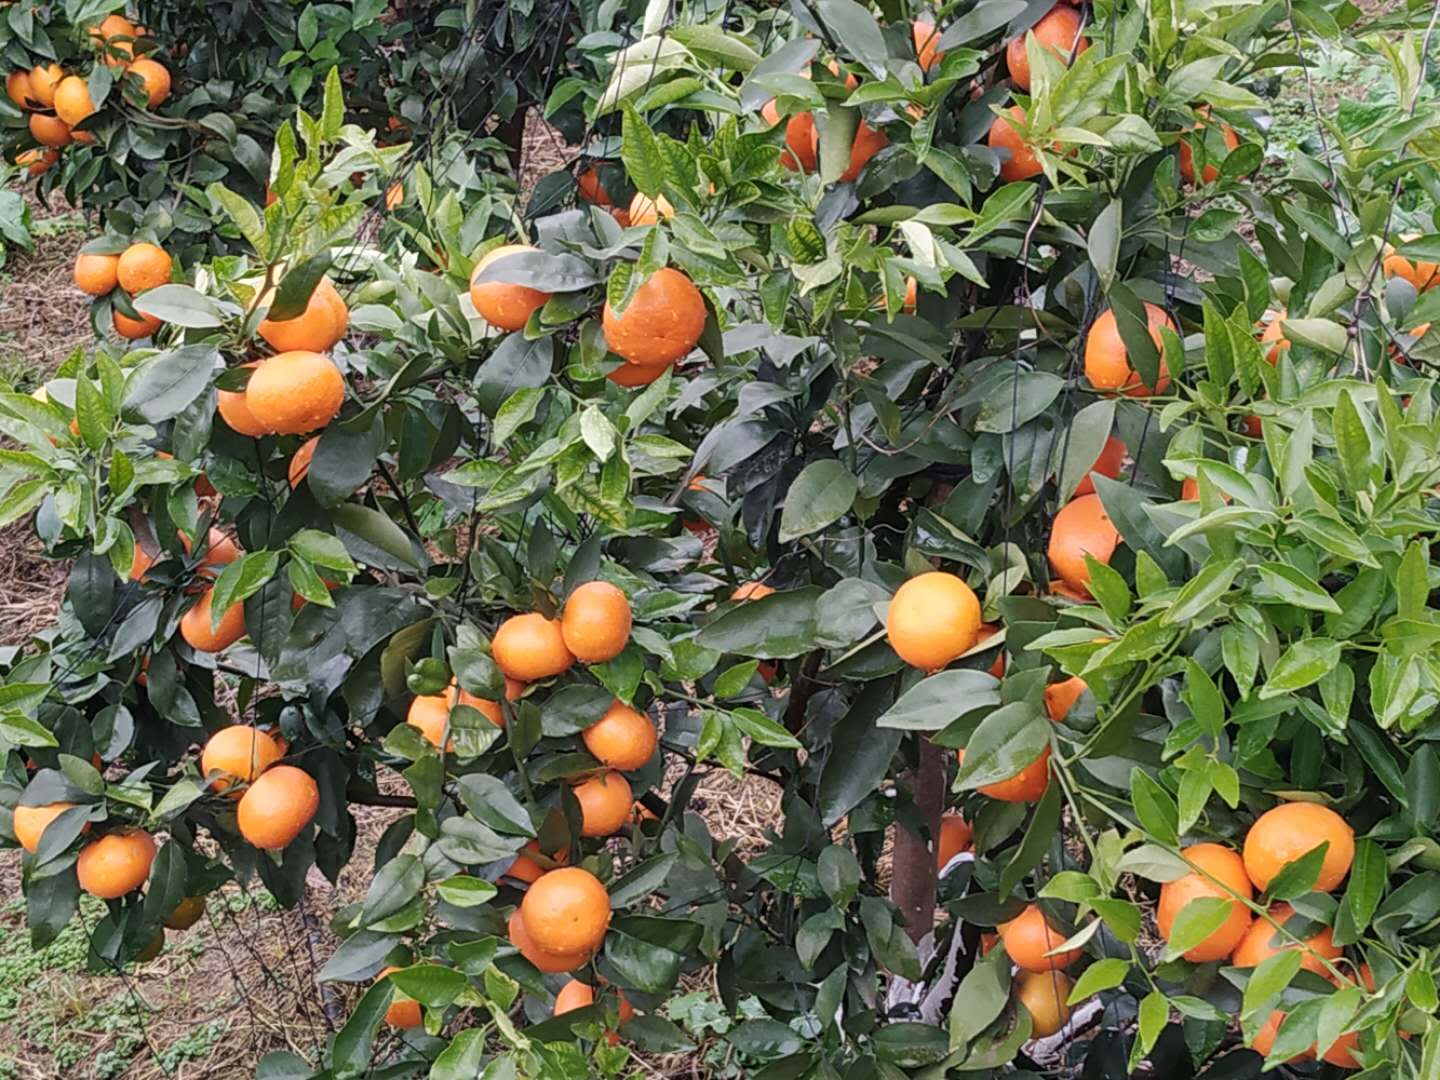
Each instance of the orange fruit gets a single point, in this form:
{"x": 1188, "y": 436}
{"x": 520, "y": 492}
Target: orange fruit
{"x": 1189, "y": 489}
{"x": 185, "y": 914}
{"x": 152, "y": 950}
{"x": 1081, "y": 528}
{"x": 531, "y": 647}
{"x": 662, "y": 322}
{"x": 1029, "y": 936}
{"x": 112, "y": 26}
{"x": 647, "y": 211}
{"x": 17, "y": 86}
{"x": 801, "y": 138}
{"x": 36, "y": 161}
{"x": 605, "y": 801}
{"x": 299, "y": 466}
{"x": 590, "y": 188}
{"x": 567, "y": 911}
{"x": 1026, "y": 786}
{"x": 239, "y": 753}
{"x": 394, "y": 195}
{"x": 135, "y": 329}
{"x": 501, "y": 304}
{"x": 1058, "y": 30}
{"x": 954, "y": 838}
{"x": 1043, "y": 995}
{"x": 154, "y": 79}
{"x": 596, "y": 622}
{"x": 752, "y": 590}
{"x": 1187, "y": 155}
{"x": 869, "y": 141}
{"x": 1264, "y": 1040}
{"x": 526, "y": 869}
{"x": 933, "y": 618}
{"x": 1285, "y": 833}
{"x": 1422, "y": 275}
{"x": 44, "y": 78}
{"x": 141, "y": 267}
{"x": 1060, "y": 697}
{"x": 622, "y": 216}
{"x": 30, "y": 822}
{"x": 429, "y": 713}
{"x": 1274, "y": 332}
{"x": 1022, "y": 162}
{"x": 1263, "y": 941}
{"x": 72, "y": 100}
{"x": 115, "y": 864}
{"x": 1107, "y": 364}
{"x": 403, "y": 1012}
{"x": 628, "y": 374}
{"x": 1109, "y": 463}
{"x": 234, "y": 411}
{"x": 927, "y": 40}
{"x": 577, "y": 995}
{"x": 317, "y": 328}
{"x": 985, "y": 632}
{"x": 492, "y": 709}
{"x": 1225, "y": 866}
{"x": 49, "y": 130}
{"x": 195, "y": 626}
{"x": 548, "y": 962}
{"x": 624, "y": 738}
{"x": 294, "y": 393}
{"x": 96, "y": 274}
{"x": 220, "y": 551}
{"x": 273, "y": 810}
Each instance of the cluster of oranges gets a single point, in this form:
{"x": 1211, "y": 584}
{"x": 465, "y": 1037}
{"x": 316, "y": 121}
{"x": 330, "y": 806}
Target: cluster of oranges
{"x": 659, "y": 327}
{"x": 58, "y": 102}
{"x": 1060, "y": 31}
{"x": 139, "y": 267}
{"x": 1278, "y": 837}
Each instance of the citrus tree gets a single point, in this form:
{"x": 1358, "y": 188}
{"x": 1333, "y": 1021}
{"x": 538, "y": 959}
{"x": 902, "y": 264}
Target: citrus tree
{"x": 950, "y": 420}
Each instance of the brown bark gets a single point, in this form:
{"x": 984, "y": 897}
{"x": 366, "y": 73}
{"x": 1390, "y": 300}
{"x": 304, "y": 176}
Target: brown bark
{"x": 912, "y": 875}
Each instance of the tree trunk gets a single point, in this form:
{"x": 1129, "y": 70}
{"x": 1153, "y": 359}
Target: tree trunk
{"x": 912, "y": 875}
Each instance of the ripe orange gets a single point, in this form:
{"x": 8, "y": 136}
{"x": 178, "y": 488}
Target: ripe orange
{"x": 30, "y": 822}
{"x": 36, "y": 161}
{"x": 1110, "y": 462}
{"x": 1043, "y": 995}
{"x": 294, "y": 393}
{"x": 234, "y": 411}
{"x": 629, "y": 375}
{"x": 1081, "y": 528}
{"x": 317, "y": 328}
{"x": 1058, "y": 31}
{"x": 300, "y": 462}
{"x": 567, "y": 911}
{"x": 752, "y": 590}
{"x": 605, "y": 803}
{"x": 220, "y": 551}
{"x": 135, "y": 329}
{"x": 1026, "y": 786}
{"x": 1420, "y": 274}
{"x": 1022, "y": 162}
{"x": 548, "y": 962}
{"x": 500, "y": 303}
{"x": 1263, "y": 941}
{"x": 624, "y": 738}
{"x": 96, "y": 274}
{"x": 531, "y": 647}
{"x": 403, "y": 1012}
{"x": 195, "y": 626}
{"x": 801, "y": 138}
{"x": 662, "y": 322}
{"x": 869, "y": 141}
{"x": 281, "y": 802}
{"x": 44, "y": 78}
{"x": 927, "y": 40}
{"x": 143, "y": 266}
{"x": 429, "y": 713}
{"x": 238, "y": 753}
{"x": 1187, "y": 155}
{"x": 72, "y": 100}
{"x": 1060, "y": 697}
{"x": 577, "y": 995}
{"x": 933, "y": 618}
{"x": 49, "y": 130}
{"x": 596, "y": 622}
{"x": 983, "y": 634}
{"x": 1107, "y": 364}
{"x": 1029, "y": 936}
{"x": 1264, "y": 1040}
{"x": 112, "y": 26}
{"x": 17, "y": 86}
{"x": 591, "y": 190}
{"x": 116, "y": 863}
{"x": 151, "y": 950}
{"x": 154, "y": 79}
{"x": 185, "y": 914}
{"x": 526, "y": 869}
{"x": 1225, "y": 866}
{"x": 647, "y": 211}
{"x": 954, "y": 838}
{"x": 1288, "y": 831}
{"x": 1274, "y": 332}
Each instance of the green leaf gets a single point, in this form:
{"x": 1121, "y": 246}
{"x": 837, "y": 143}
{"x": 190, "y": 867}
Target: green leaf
{"x": 1363, "y": 892}
{"x": 1201, "y": 592}
{"x": 1305, "y": 662}
{"x": 1281, "y": 581}
{"x": 1155, "y": 807}
{"x": 181, "y": 305}
{"x": 1297, "y": 877}
{"x": 241, "y": 580}
{"x": 640, "y": 151}
{"x": 322, "y": 549}
{"x": 1103, "y": 243}
{"x": 776, "y": 627}
{"x": 823, "y": 493}
{"x": 164, "y": 385}
{"x": 376, "y": 530}
{"x": 763, "y": 730}
{"x": 1103, "y": 974}
{"x": 1005, "y": 743}
{"x": 297, "y": 286}
{"x": 937, "y": 700}
{"x": 1196, "y": 921}
{"x": 1267, "y": 981}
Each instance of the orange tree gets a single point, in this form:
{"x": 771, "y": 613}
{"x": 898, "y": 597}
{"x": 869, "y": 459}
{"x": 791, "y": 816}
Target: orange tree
{"x": 1036, "y": 473}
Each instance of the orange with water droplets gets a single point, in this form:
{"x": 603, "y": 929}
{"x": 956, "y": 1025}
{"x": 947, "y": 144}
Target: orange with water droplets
{"x": 220, "y": 551}
{"x": 1274, "y": 336}
{"x": 530, "y": 647}
{"x": 96, "y": 275}
{"x": 502, "y": 304}
{"x": 17, "y": 87}
{"x": 927, "y": 44}
{"x": 985, "y": 632}
{"x": 577, "y": 995}
{"x": 1224, "y": 866}
{"x": 1060, "y": 697}
{"x": 932, "y": 619}
{"x": 1107, "y": 362}
{"x": 1211, "y": 171}
{"x": 596, "y": 622}
{"x": 868, "y": 142}
{"x": 1029, "y": 936}
{"x": 1264, "y": 1040}
{"x": 294, "y": 393}
{"x": 526, "y": 868}
{"x": 1026, "y": 786}
{"x": 277, "y": 806}
{"x": 299, "y": 466}
{"x": 605, "y": 802}
{"x": 662, "y": 322}
{"x": 72, "y": 100}
{"x": 143, "y": 266}
{"x": 1287, "y": 832}
{"x": 115, "y": 864}
{"x": 1081, "y": 528}
{"x": 591, "y": 189}
{"x": 196, "y": 630}
{"x": 315, "y": 329}
{"x": 135, "y": 329}
{"x": 44, "y": 78}
{"x": 238, "y": 754}
{"x": 567, "y": 911}
{"x": 552, "y": 963}
{"x": 235, "y": 412}
{"x": 630, "y": 375}
{"x": 1420, "y": 273}
{"x": 154, "y": 80}
{"x": 1044, "y": 995}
